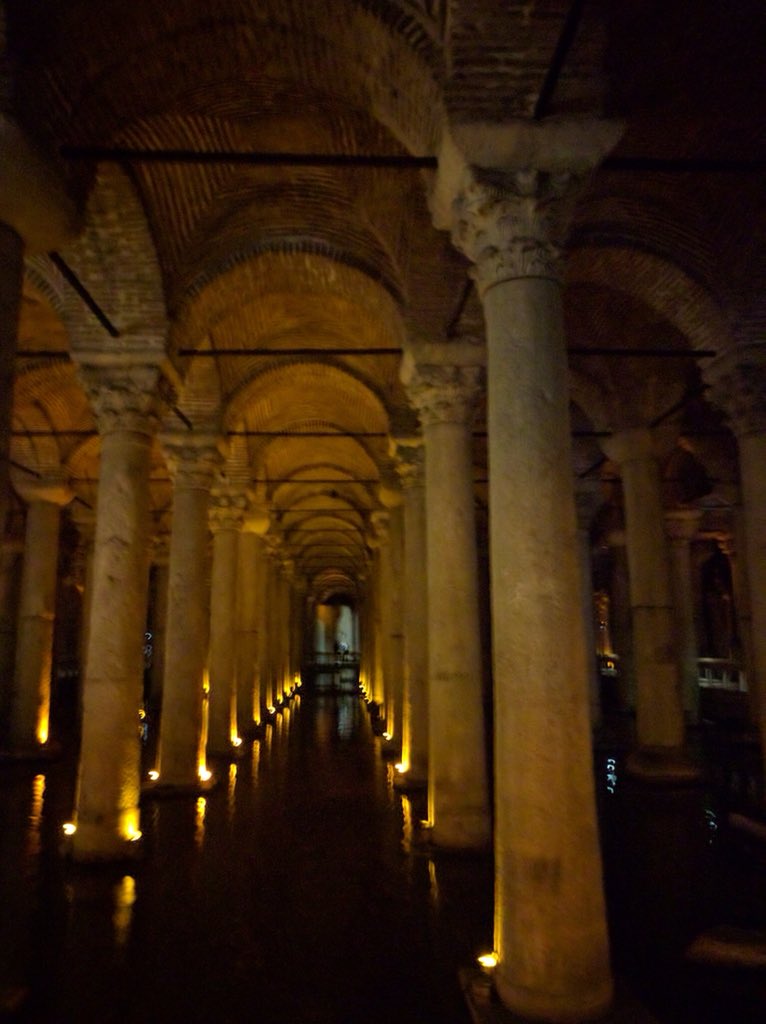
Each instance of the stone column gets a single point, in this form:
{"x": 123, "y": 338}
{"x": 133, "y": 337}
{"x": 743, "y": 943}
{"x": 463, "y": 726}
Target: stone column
{"x": 622, "y": 629}
{"x": 12, "y": 264}
{"x": 445, "y": 391}
{"x": 550, "y": 922}
{"x": 227, "y": 512}
{"x": 159, "y": 576}
{"x": 127, "y": 407}
{"x": 31, "y": 697}
{"x": 384, "y": 587}
{"x": 410, "y": 467}
{"x": 660, "y": 731}
{"x": 84, "y": 519}
{"x": 392, "y": 570}
{"x": 739, "y": 388}
{"x": 10, "y": 580}
{"x": 682, "y": 525}
{"x": 587, "y": 502}
{"x": 192, "y": 459}
{"x": 249, "y": 600}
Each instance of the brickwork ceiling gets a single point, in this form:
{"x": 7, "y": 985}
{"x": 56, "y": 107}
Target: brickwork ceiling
{"x": 302, "y": 273}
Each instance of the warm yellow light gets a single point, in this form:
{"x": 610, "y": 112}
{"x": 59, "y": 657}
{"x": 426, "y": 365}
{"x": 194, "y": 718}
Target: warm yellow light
{"x": 154, "y": 775}
{"x": 386, "y": 735}
{"x": 401, "y": 768}
{"x": 488, "y": 960}
{"x": 134, "y": 835}
{"x": 206, "y": 682}
{"x": 141, "y": 714}
{"x": 236, "y": 741}
{"x": 42, "y": 731}
{"x": 69, "y": 828}
{"x": 272, "y": 709}
{"x": 204, "y": 773}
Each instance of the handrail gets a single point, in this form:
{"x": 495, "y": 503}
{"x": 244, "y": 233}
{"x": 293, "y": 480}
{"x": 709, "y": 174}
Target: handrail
{"x": 721, "y": 674}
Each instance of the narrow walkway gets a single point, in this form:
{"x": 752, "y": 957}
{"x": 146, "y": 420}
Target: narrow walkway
{"x": 289, "y": 894}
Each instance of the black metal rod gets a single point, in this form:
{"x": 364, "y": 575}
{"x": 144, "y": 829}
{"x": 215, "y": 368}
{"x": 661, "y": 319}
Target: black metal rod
{"x": 58, "y": 357}
{"x": 341, "y": 434}
{"x": 112, "y": 154}
{"x": 215, "y": 353}
{"x": 183, "y": 418}
{"x": 560, "y": 54}
{"x": 69, "y": 275}
{"x": 54, "y": 433}
{"x": 683, "y": 165}
{"x": 643, "y": 353}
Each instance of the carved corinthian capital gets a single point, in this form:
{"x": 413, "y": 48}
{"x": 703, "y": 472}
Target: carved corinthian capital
{"x": 445, "y": 394}
{"x": 513, "y": 224}
{"x": 192, "y": 459}
{"x": 738, "y": 383}
{"x": 228, "y": 507}
{"x": 125, "y": 398}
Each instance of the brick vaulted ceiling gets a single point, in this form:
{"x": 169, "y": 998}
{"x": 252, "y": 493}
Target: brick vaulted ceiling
{"x": 267, "y": 260}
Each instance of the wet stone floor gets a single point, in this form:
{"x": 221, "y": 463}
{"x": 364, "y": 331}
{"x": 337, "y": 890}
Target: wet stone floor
{"x": 295, "y": 893}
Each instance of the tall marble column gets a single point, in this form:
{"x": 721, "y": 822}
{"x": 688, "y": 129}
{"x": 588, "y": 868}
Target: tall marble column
{"x": 587, "y": 502}
{"x": 127, "y": 407}
{"x": 159, "y": 574}
{"x": 10, "y": 580}
{"x": 739, "y": 388}
{"x": 192, "y": 459}
{"x": 410, "y": 467}
{"x": 392, "y": 569}
{"x": 30, "y": 701}
{"x": 681, "y": 525}
{"x": 384, "y": 586}
{"x": 660, "y": 728}
{"x": 11, "y": 264}
{"x": 250, "y": 594}
{"x": 227, "y": 512}
{"x": 84, "y": 519}
{"x": 443, "y": 382}
{"x": 550, "y": 921}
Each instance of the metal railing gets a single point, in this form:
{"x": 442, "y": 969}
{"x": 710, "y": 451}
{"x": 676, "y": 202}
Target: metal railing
{"x": 721, "y": 674}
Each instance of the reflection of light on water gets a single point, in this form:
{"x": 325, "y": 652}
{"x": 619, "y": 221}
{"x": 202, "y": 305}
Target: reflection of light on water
{"x": 35, "y": 814}
{"x": 231, "y": 794}
{"x": 199, "y": 820}
{"x": 406, "y": 823}
{"x": 345, "y": 721}
{"x": 611, "y": 775}
{"x": 433, "y": 883}
{"x": 711, "y": 819}
{"x": 256, "y": 760}
{"x": 124, "y": 898}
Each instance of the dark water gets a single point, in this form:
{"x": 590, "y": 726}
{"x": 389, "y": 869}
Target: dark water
{"x": 291, "y": 893}
{"x": 294, "y": 893}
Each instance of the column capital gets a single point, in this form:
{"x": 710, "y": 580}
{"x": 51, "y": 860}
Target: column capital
{"x": 513, "y": 224}
{"x": 192, "y": 458}
{"x": 52, "y": 488}
{"x": 682, "y": 524}
{"x": 626, "y": 446}
{"x": 409, "y": 455}
{"x": 126, "y": 396}
{"x": 738, "y": 383}
{"x": 228, "y": 506}
{"x": 443, "y": 381}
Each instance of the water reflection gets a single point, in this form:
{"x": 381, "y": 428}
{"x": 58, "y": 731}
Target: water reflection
{"x": 199, "y": 821}
{"x": 35, "y": 815}
{"x": 124, "y": 898}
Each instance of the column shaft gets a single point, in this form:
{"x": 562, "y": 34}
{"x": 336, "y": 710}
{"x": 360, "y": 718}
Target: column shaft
{"x": 458, "y": 807}
{"x": 110, "y": 758}
{"x": 30, "y": 707}
{"x": 415, "y": 700}
{"x": 248, "y": 580}
{"x": 752, "y": 456}
{"x": 186, "y": 640}
{"x": 11, "y": 260}
{"x": 222, "y": 727}
{"x": 550, "y": 922}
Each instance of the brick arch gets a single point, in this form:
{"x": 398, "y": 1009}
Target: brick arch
{"x": 115, "y": 259}
{"x": 660, "y": 284}
{"x": 394, "y": 75}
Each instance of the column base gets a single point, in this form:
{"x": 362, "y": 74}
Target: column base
{"x": 94, "y": 845}
{"x": 162, "y": 790}
{"x": 554, "y": 1008}
{"x": 465, "y": 835}
{"x": 407, "y": 782}
{"x": 230, "y": 754}
{"x": 662, "y": 765}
